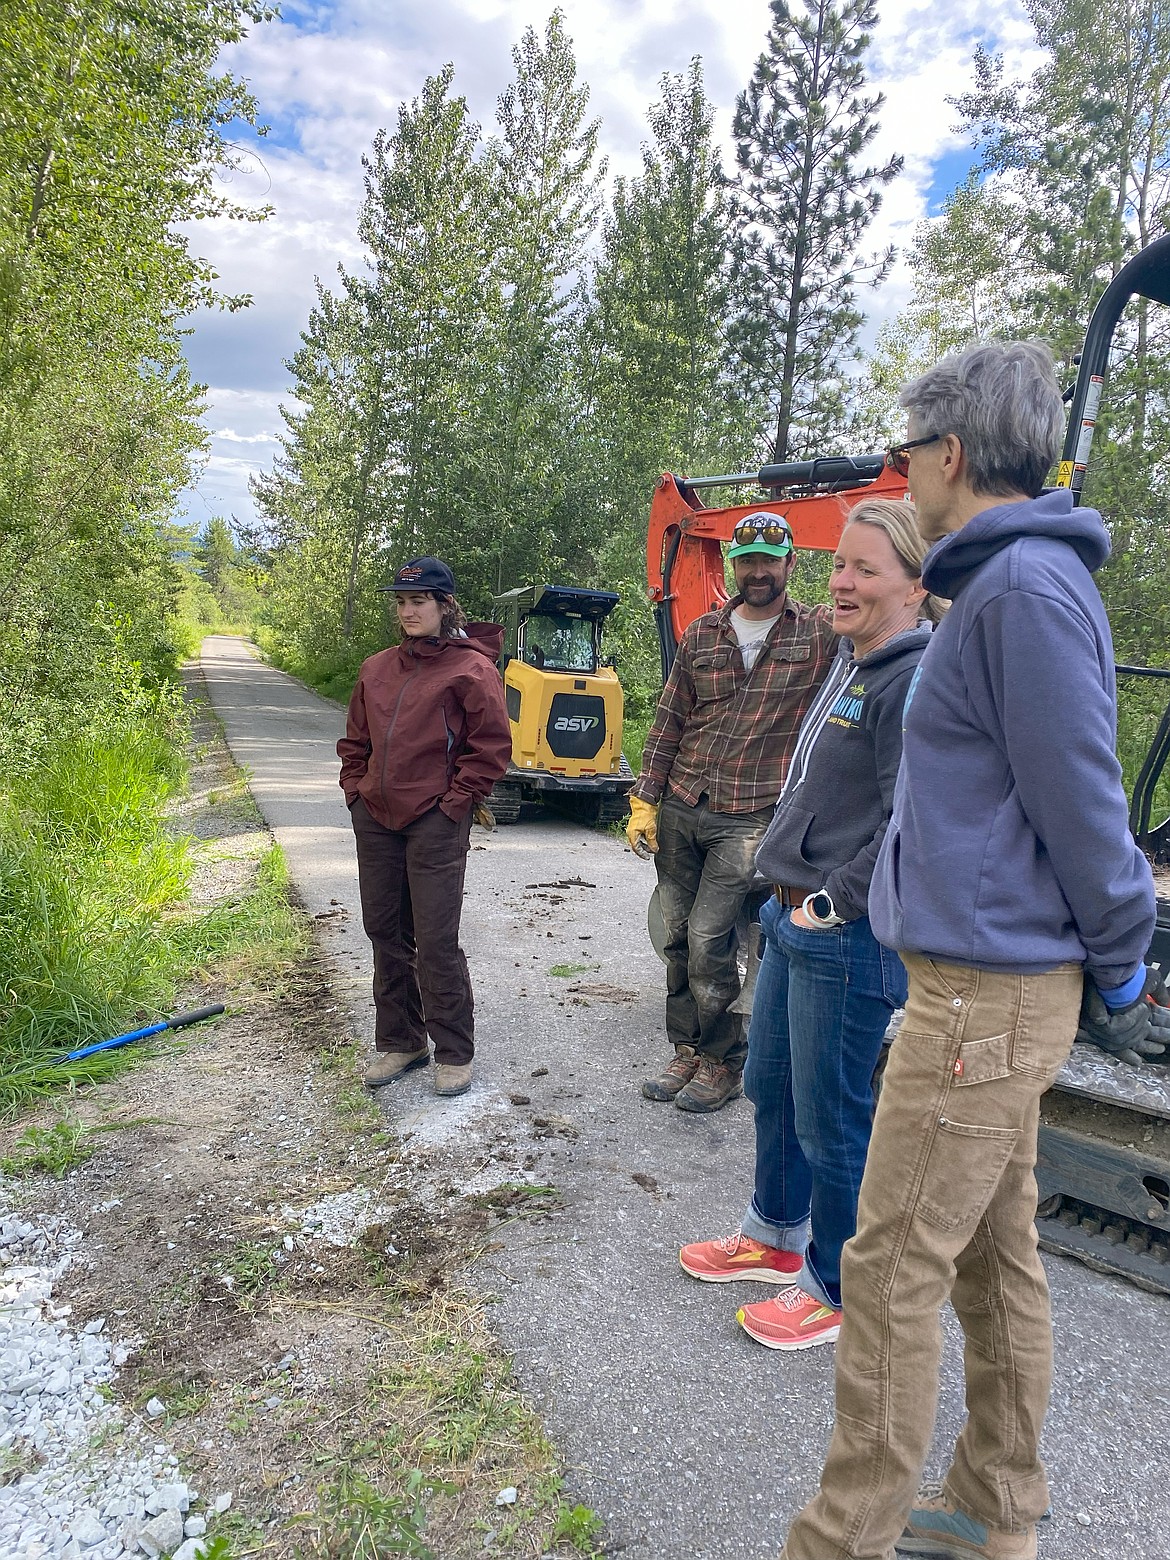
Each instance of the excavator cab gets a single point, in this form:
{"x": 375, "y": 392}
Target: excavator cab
{"x": 1103, "y": 1169}
{"x": 565, "y": 705}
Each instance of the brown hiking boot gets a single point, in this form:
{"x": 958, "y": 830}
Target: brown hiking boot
{"x": 388, "y": 1065}
{"x": 681, "y": 1070}
{"x": 713, "y": 1085}
{"x": 452, "y": 1078}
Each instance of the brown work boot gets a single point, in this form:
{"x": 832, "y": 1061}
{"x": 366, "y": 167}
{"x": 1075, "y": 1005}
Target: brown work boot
{"x": 940, "y": 1530}
{"x": 388, "y": 1065}
{"x": 682, "y": 1069}
{"x": 713, "y": 1085}
{"x": 452, "y": 1079}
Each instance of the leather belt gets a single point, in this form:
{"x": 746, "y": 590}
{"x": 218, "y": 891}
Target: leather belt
{"x": 790, "y": 898}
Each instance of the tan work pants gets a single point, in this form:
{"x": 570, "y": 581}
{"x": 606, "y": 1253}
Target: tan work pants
{"x": 947, "y": 1207}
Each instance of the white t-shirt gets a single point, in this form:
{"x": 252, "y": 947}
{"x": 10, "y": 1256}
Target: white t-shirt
{"x": 751, "y": 636}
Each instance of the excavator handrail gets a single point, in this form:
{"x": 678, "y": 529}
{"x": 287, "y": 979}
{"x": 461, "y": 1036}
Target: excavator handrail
{"x": 829, "y": 472}
{"x": 1147, "y": 275}
{"x": 1154, "y": 841}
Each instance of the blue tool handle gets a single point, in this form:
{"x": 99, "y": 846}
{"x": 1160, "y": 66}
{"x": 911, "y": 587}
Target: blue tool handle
{"x": 110, "y": 1045}
{"x": 195, "y": 1016}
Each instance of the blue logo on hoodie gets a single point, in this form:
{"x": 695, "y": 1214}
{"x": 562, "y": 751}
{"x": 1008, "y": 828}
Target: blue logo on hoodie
{"x": 849, "y": 705}
{"x": 910, "y": 692}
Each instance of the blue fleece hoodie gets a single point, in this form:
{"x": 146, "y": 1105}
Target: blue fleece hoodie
{"x": 1009, "y": 846}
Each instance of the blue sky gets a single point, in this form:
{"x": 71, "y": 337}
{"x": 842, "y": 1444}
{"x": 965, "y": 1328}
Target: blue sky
{"x": 328, "y": 75}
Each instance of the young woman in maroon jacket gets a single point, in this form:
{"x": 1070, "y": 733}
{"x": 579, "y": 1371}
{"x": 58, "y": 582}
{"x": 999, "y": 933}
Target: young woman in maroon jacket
{"x": 426, "y": 739}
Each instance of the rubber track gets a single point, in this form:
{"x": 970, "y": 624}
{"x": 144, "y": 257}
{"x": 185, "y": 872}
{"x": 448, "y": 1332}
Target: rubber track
{"x": 1107, "y": 1243}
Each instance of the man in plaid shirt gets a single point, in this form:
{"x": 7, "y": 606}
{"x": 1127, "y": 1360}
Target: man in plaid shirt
{"x": 713, "y": 766}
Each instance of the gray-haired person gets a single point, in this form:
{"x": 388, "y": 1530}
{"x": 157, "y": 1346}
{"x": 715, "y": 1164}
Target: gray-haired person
{"x": 1010, "y": 885}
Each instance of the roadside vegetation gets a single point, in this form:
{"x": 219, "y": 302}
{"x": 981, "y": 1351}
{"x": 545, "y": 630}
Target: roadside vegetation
{"x": 111, "y": 139}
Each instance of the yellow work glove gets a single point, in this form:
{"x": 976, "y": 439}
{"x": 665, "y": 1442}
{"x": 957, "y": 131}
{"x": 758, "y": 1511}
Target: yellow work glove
{"x": 642, "y": 829}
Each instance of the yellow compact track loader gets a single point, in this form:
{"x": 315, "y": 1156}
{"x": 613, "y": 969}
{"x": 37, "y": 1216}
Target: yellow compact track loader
{"x": 565, "y": 706}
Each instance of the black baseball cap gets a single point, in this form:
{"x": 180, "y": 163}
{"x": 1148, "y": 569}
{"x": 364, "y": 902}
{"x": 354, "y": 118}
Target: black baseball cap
{"x": 423, "y": 574}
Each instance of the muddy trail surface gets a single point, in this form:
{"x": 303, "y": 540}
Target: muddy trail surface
{"x": 687, "y": 1438}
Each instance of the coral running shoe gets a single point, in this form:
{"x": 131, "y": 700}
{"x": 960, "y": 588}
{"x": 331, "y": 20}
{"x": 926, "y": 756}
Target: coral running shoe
{"x": 791, "y": 1320}
{"x": 738, "y": 1256}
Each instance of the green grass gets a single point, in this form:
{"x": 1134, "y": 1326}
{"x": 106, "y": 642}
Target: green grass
{"x": 94, "y": 937}
{"x": 49, "y": 1150}
{"x": 567, "y": 971}
{"x": 332, "y": 675}
{"x": 258, "y": 934}
{"x": 249, "y": 1270}
{"x": 579, "y": 1526}
{"x": 87, "y": 872}
{"x": 356, "y": 1521}
{"x": 635, "y": 730}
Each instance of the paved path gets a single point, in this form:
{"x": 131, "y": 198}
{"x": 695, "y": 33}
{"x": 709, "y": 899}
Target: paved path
{"x": 694, "y": 1443}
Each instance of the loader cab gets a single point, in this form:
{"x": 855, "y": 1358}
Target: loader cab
{"x": 564, "y": 702}
{"x": 556, "y": 628}
{"x": 561, "y": 642}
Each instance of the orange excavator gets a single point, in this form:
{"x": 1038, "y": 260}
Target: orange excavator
{"x": 1103, "y": 1169}
{"x": 684, "y": 543}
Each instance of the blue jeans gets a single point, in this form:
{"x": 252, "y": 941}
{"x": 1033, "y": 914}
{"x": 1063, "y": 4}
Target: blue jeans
{"x": 822, "y": 1003}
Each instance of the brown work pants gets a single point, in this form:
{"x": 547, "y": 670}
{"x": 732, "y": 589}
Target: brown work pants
{"x": 947, "y": 1206}
{"x": 411, "y": 883}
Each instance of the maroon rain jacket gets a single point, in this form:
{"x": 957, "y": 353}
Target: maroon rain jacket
{"x": 426, "y": 724}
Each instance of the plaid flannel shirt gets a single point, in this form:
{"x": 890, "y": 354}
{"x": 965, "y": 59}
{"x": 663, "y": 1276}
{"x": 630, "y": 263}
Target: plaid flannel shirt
{"x": 728, "y": 734}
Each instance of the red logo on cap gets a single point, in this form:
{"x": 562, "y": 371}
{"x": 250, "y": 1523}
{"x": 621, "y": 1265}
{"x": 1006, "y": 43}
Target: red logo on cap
{"x": 412, "y": 573}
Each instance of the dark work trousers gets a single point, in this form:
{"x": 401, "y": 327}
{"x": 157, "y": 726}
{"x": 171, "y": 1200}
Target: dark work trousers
{"x": 411, "y": 883}
{"x": 706, "y": 865}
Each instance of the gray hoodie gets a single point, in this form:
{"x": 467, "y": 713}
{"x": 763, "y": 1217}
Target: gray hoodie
{"x": 832, "y": 814}
{"x": 1009, "y": 848}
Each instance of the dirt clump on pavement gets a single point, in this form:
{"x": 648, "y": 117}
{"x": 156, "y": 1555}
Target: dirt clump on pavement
{"x": 288, "y": 1274}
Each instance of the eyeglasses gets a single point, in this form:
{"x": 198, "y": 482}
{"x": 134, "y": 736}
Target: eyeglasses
{"x": 898, "y": 455}
{"x": 773, "y": 533}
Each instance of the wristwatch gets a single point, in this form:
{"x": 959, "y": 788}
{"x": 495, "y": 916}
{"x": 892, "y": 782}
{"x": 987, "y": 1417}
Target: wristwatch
{"x": 820, "y": 909}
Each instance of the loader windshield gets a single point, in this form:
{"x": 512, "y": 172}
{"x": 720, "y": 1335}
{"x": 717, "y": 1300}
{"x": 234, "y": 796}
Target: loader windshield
{"x": 560, "y": 642}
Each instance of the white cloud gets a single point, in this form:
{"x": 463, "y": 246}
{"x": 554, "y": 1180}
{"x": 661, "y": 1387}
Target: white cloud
{"x": 328, "y": 76}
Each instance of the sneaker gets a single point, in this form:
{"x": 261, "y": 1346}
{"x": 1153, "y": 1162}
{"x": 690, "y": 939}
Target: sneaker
{"x": 790, "y": 1320}
{"x": 451, "y": 1079}
{"x": 738, "y": 1256}
{"x": 938, "y": 1528}
{"x": 713, "y": 1086}
{"x": 388, "y": 1065}
{"x": 681, "y": 1070}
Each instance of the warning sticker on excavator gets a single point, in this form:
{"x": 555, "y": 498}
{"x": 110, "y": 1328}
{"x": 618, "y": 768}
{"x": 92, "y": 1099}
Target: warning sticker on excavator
{"x": 1064, "y": 474}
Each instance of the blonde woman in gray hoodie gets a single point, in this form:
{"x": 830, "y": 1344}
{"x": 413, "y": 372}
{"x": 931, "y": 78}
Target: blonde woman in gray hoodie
{"x": 826, "y": 987}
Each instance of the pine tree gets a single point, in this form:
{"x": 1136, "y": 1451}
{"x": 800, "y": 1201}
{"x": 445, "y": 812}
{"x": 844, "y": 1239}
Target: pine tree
{"x": 803, "y": 200}
{"x": 216, "y": 551}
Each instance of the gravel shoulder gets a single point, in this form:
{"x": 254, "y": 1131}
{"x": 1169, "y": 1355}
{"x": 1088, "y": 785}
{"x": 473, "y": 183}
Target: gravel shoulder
{"x": 687, "y": 1438}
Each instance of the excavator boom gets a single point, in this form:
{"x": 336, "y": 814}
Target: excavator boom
{"x": 685, "y": 539}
